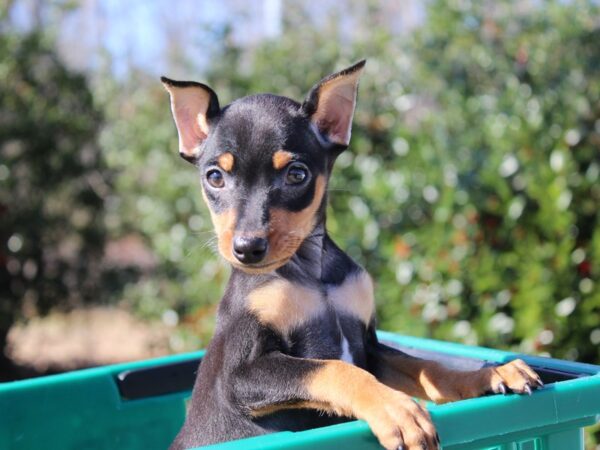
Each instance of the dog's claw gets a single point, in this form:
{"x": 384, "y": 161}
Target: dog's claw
{"x": 401, "y": 447}
{"x": 502, "y": 388}
{"x": 527, "y": 389}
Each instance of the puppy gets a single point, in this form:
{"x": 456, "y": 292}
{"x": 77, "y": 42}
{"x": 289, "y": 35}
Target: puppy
{"x": 295, "y": 334}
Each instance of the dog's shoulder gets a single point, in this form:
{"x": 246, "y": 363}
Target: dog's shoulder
{"x": 349, "y": 286}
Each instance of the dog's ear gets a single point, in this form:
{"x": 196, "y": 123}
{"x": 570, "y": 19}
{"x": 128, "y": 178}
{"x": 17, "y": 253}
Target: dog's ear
{"x": 330, "y": 104}
{"x": 193, "y": 105}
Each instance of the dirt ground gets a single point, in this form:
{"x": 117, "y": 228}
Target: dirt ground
{"x": 85, "y": 338}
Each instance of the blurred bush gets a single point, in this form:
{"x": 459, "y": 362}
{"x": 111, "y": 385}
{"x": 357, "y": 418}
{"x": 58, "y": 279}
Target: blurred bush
{"x": 504, "y": 152}
{"x": 53, "y": 183}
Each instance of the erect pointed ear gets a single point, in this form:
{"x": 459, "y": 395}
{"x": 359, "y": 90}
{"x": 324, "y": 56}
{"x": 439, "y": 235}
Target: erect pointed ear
{"x": 330, "y": 104}
{"x": 192, "y": 105}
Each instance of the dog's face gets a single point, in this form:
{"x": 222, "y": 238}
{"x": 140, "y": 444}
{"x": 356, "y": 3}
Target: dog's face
{"x": 264, "y": 162}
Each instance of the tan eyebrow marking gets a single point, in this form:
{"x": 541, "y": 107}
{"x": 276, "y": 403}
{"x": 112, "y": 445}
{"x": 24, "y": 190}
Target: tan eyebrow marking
{"x": 281, "y": 158}
{"x": 226, "y": 161}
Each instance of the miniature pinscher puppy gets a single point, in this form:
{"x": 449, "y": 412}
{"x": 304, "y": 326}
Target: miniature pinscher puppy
{"x": 295, "y": 334}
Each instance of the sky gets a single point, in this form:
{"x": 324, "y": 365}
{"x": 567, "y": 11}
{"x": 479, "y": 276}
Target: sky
{"x": 143, "y": 32}
{"x": 153, "y": 35}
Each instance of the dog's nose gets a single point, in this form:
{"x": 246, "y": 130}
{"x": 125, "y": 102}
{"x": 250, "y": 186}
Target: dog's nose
{"x": 249, "y": 250}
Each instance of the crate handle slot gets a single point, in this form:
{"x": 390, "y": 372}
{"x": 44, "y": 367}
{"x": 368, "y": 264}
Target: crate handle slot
{"x": 159, "y": 380}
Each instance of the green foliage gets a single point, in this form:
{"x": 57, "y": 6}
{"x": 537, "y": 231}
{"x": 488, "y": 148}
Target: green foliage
{"x": 52, "y": 180}
{"x": 509, "y": 141}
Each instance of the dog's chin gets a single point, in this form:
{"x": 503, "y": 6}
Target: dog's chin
{"x": 260, "y": 268}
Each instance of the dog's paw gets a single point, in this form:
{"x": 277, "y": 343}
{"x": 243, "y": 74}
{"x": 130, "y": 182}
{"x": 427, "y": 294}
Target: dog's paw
{"x": 399, "y": 422}
{"x": 516, "y": 376}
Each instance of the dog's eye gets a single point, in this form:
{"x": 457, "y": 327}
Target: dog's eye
{"x": 296, "y": 174}
{"x": 215, "y": 178}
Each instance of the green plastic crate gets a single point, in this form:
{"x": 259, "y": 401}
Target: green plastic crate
{"x": 141, "y": 405}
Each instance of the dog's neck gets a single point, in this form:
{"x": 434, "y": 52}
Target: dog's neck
{"x": 306, "y": 264}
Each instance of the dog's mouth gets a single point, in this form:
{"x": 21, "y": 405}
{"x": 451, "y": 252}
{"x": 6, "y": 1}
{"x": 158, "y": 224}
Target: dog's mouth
{"x": 262, "y": 267}
{"x": 275, "y": 257}
{"x": 281, "y": 246}
{"x": 252, "y": 256}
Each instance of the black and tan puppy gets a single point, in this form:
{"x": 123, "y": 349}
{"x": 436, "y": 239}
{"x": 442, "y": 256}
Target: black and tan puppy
{"x": 295, "y": 334}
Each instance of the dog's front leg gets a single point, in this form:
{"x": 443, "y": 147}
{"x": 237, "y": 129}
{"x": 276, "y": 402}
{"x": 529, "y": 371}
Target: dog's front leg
{"x": 276, "y": 381}
{"x": 433, "y": 381}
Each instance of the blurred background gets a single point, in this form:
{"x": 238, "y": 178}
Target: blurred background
{"x": 471, "y": 190}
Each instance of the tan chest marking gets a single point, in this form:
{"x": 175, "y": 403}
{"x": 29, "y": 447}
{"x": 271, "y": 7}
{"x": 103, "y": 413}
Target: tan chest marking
{"x": 284, "y": 305}
{"x": 354, "y": 297}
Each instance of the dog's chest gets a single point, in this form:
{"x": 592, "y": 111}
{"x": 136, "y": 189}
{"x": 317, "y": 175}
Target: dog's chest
{"x": 325, "y": 324}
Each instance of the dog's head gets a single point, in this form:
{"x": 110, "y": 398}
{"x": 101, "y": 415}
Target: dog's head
{"x": 264, "y": 162}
